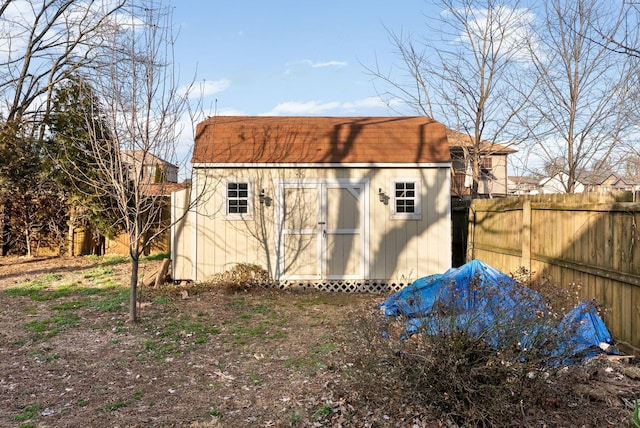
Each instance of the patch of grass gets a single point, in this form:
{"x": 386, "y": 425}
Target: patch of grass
{"x": 295, "y": 419}
{"x": 174, "y": 336}
{"x": 242, "y": 332}
{"x": 69, "y": 305}
{"x": 324, "y": 410}
{"x": 112, "y": 407}
{"x": 30, "y": 310}
{"x": 99, "y": 272}
{"x": 27, "y": 289}
{"x": 160, "y": 350}
{"x": 43, "y": 289}
{"x": 238, "y": 303}
{"x": 50, "y": 327}
{"x": 312, "y": 362}
{"x": 255, "y": 378}
{"x": 153, "y": 257}
{"x": 28, "y": 412}
{"x": 91, "y": 291}
{"x": 82, "y": 403}
{"x": 137, "y": 395}
{"x": 261, "y": 308}
{"x": 43, "y": 357}
{"x": 51, "y": 277}
{"x": 113, "y": 300}
{"x": 280, "y": 334}
{"x": 324, "y": 348}
{"x": 161, "y": 300}
{"x": 50, "y": 358}
{"x": 114, "y": 260}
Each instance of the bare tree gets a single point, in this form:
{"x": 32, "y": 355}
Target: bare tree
{"x": 44, "y": 42}
{"x": 580, "y": 112}
{"x": 467, "y": 74}
{"x": 141, "y": 104}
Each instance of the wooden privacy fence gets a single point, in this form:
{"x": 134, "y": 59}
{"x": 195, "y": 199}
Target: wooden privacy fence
{"x": 590, "y": 240}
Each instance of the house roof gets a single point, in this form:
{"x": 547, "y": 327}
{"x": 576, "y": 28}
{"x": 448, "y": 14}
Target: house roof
{"x": 521, "y": 179}
{"x": 459, "y": 139}
{"x": 162, "y": 189}
{"x": 320, "y": 140}
{"x": 149, "y": 158}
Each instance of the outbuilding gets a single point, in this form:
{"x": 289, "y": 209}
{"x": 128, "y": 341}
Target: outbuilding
{"x": 339, "y": 203}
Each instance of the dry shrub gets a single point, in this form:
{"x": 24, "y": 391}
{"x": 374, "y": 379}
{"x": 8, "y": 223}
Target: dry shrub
{"x": 559, "y": 299}
{"x": 450, "y": 371}
{"x": 241, "y": 277}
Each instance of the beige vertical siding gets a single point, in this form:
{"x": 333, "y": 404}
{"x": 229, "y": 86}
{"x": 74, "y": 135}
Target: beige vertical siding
{"x": 181, "y": 232}
{"x": 398, "y": 250}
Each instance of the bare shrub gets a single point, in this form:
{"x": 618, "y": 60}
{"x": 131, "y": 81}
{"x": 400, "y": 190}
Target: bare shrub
{"x": 242, "y": 276}
{"x": 461, "y": 366}
{"x": 559, "y": 299}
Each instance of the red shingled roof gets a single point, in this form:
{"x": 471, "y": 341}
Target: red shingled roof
{"x": 279, "y": 139}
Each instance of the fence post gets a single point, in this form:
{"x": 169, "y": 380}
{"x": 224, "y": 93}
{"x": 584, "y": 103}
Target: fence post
{"x": 525, "y": 258}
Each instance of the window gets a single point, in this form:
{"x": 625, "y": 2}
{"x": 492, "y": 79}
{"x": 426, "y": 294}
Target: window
{"x": 238, "y": 200}
{"x": 406, "y": 199}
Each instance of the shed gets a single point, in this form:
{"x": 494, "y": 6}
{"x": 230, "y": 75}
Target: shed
{"x": 340, "y": 203}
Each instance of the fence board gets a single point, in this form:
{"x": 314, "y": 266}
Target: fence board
{"x": 587, "y": 239}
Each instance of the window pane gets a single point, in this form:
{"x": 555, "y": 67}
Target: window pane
{"x": 237, "y": 198}
{"x": 410, "y": 206}
{"x": 406, "y": 195}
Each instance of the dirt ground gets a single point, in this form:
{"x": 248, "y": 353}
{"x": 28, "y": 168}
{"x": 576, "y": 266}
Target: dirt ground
{"x": 198, "y": 356}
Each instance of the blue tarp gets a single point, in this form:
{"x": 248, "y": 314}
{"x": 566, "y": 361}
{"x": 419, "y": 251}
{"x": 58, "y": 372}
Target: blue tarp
{"x": 483, "y": 301}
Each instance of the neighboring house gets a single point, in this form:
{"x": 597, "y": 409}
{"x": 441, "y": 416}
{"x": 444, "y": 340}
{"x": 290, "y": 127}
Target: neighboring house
{"x": 341, "y": 203}
{"x": 522, "y": 185}
{"x": 609, "y": 183}
{"x": 557, "y": 184}
{"x": 159, "y": 180}
{"x": 493, "y": 175}
{"x": 154, "y": 169}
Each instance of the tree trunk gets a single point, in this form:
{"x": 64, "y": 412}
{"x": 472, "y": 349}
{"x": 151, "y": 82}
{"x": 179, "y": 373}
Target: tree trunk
{"x": 27, "y": 238}
{"x": 133, "y": 295}
{"x": 6, "y": 226}
{"x": 72, "y": 235}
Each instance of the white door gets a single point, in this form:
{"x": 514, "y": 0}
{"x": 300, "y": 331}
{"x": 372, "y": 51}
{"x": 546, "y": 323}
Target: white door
{"x": 322, "y": 229}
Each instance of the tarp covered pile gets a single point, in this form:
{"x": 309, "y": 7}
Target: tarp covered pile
{"x": 487, "y": 303}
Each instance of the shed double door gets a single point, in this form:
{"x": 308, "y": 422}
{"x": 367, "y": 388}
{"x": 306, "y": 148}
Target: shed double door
{"x": 322, "y": 231}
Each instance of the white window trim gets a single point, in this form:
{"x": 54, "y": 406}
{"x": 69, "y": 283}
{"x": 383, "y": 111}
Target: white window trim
{"x": 250, "y": 197}
{"x": 417, "y": 215}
